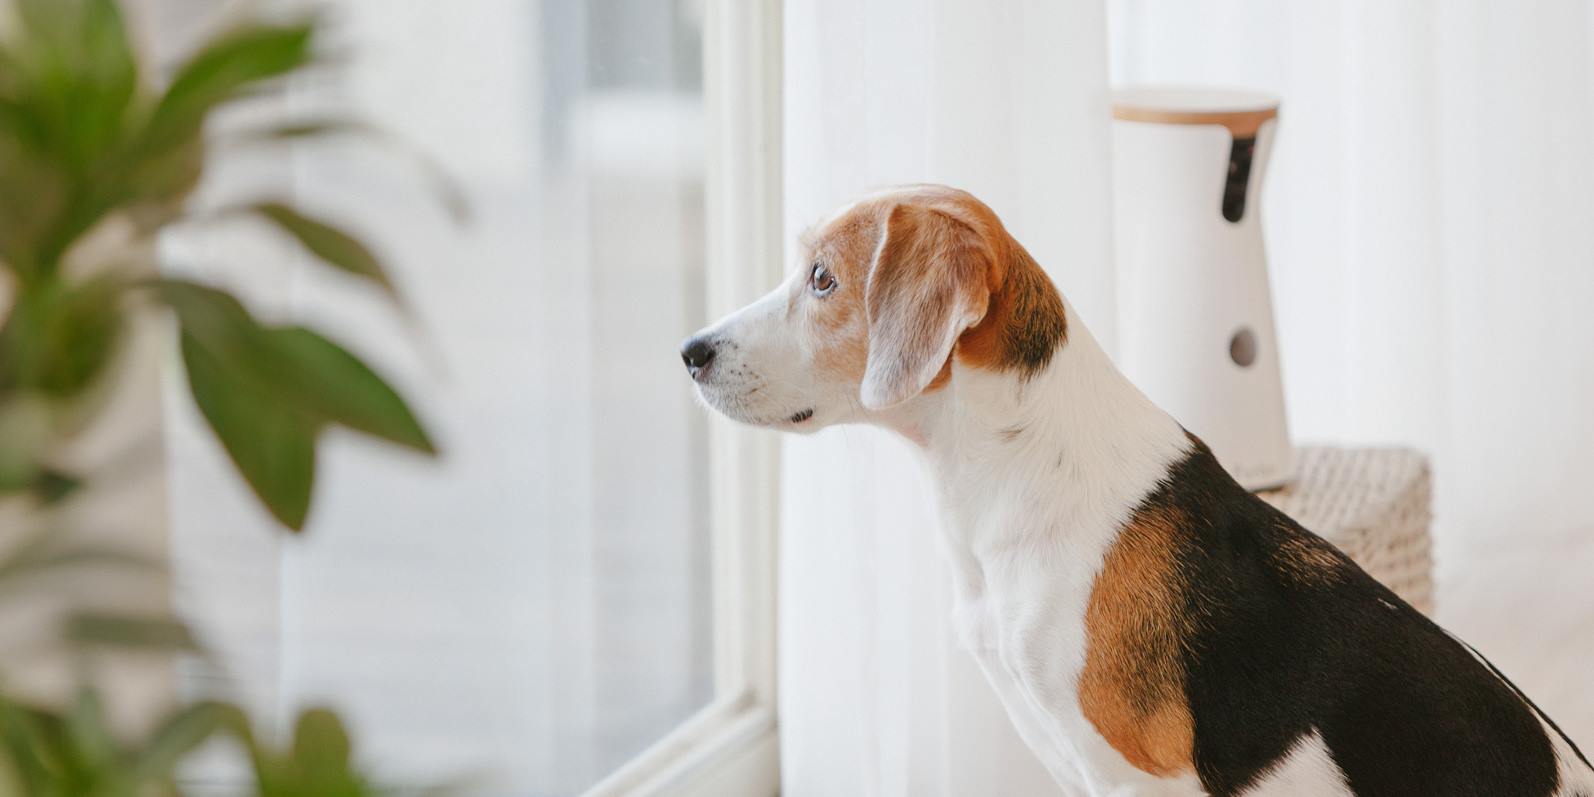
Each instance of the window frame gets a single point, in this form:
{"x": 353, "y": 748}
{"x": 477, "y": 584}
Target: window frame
{"x": 730, "y": 748}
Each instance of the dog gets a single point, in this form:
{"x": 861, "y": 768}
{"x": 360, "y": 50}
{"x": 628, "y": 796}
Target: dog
{"x": 1150, "y": 626}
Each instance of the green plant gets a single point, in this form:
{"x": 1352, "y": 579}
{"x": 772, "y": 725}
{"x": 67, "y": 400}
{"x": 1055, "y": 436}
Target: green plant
{"x": 75, "y": 753}
{"x": 86, "y": 143}
{"x": 95, "y": 160}
{"x": 316, "y": 763}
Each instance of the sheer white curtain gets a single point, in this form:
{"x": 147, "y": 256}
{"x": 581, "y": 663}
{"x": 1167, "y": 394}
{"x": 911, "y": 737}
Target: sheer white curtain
{"x": 1428, "y": 220}
{"x": 1007, "y": 100}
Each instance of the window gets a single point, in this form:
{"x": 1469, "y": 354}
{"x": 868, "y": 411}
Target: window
{"x": 578, "y": 596}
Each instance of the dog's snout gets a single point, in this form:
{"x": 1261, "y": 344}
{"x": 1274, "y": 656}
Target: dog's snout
{"x": 697, "y": 353}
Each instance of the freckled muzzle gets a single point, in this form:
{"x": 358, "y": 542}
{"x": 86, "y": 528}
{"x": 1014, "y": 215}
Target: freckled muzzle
{"x": 756, "y": 366}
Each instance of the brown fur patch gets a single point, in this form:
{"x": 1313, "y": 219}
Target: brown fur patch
{"x": 1132, "y": 687}
{"x": 845, "y": 247}
{"x": 1026, "y": 322}
{"x": 1307, "y": 560}
{"x": 930, "y": 274}
{"x": 941, "y": 379}
{"x": 948, "y": 238}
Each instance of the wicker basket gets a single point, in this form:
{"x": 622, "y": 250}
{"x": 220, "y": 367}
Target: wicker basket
{"x": 1374, "y": 503}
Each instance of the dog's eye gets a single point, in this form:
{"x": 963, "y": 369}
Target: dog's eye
{"x": 822, "y": 280}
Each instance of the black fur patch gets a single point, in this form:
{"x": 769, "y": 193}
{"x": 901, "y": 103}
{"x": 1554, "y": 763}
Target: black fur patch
{"x": 1291, "y": 635}
{"x": 1038, "y": 325}
{"x": 1536, "y": 710}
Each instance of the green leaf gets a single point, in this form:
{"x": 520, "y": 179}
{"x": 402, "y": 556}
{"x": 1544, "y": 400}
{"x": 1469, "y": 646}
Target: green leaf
{"x": 11, "y": 773}
{"x": 70, "y": 92}
{"x": 268, "y": 391}
{"x": 87, "y": 729}
{"x": 53, "y": 485}
{"x": 60, "y": 337}
{"x": 213, "y": 315}
{"x": 24, "y": 437}
{"x": 293, "y": 131}
{"x": 159, "y": 179}
{"x": 334, "y": 246}
{"x": 267, "y": 768}
{"x": 320, "y": 744}
{"x": 318, "y": 761}
{"x": 74, "y": 751}
{"x": 337, "y": 386}
{"x": 272, "y": 442}
{"x": 24, "y": 742}
{"x": 80, "y": 77}
{"x": 304, "y": 370}
{"x": 230, "y": 374}
{"x": 112, "y": 76}
{"x": 83, "y": 338}
{"x": 180, "y": 733}
{"x": 128, "y": 631}
{"x": 225, "y": 69}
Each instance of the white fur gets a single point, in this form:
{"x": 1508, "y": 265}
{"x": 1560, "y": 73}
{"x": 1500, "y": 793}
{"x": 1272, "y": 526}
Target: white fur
{"x": 1029, "y": 522}
{"x": 1575, "y": 777}
{"x": 763, "y": 372}
{"x": 1307, "y": 770}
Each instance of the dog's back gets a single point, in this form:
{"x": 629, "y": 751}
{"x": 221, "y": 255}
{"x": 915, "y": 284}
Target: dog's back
{"x": 1286, "y": 637}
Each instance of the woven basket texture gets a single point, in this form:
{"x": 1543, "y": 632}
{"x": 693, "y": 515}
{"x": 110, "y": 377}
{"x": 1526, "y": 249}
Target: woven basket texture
{"x": 1375, "y": 504}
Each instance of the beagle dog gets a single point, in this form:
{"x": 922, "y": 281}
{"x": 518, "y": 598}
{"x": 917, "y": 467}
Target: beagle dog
{"x": 1150, "y": 626}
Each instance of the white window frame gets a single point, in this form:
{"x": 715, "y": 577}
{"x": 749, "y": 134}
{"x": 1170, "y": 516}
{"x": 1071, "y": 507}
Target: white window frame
{"x": 731, "y": 747}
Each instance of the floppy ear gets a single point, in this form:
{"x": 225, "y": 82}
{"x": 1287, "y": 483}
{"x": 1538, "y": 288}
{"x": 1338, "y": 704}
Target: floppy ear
{"x": 926, "y": 286}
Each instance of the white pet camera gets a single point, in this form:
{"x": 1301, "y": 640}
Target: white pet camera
{"x": 1195, "y": 314}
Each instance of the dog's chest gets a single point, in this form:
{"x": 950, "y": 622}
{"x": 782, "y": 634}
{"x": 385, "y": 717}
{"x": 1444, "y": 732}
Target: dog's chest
{"x": 1021, "y": 613}
{"x": 1034, "y": 498}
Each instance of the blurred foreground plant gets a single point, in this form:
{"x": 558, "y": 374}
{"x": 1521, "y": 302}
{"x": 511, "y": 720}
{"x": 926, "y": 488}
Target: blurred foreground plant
{"x": 86, "y": 146}
{"x": 95, "y": 160}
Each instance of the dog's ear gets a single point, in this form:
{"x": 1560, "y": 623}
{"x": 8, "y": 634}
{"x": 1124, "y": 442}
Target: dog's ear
{"x": 927, "y": 285}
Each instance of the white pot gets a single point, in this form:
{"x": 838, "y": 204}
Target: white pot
{"x": 1195, "y": 314}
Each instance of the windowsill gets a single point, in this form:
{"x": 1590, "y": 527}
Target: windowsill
{"x": 728, "y": 749}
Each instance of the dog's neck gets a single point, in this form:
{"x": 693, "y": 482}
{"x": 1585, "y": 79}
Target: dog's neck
{"x": 1060, "y": 458}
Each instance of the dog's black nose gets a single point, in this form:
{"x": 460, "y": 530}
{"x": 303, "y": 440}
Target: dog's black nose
{"x": 697, "y": 353}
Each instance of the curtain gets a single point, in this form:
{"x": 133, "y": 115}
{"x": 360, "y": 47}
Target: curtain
{"x": 1428, "y": 229}
{"x": 1427, "y": 217}
{"x": 1007, "y": 100}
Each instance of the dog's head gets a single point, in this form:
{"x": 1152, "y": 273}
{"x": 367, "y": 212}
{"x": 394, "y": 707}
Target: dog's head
{"x": 885, "y": 290}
